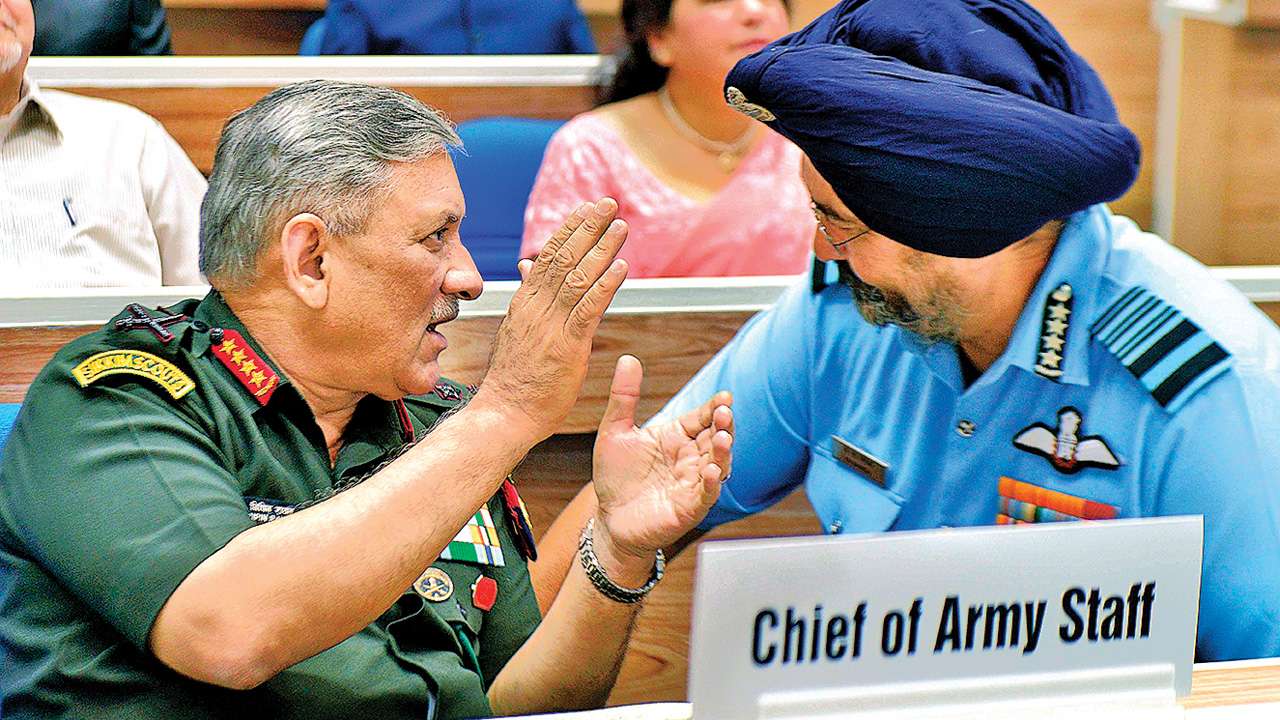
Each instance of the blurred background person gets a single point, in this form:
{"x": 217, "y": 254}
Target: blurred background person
{"x": 454, "y": 27}
{"x": 95, "y": 193}
{"x": 705, "y": 190}
{"x": 101, "y": 27}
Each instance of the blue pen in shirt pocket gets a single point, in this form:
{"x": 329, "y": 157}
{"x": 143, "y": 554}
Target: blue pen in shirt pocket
{"x": 66, "y": 207}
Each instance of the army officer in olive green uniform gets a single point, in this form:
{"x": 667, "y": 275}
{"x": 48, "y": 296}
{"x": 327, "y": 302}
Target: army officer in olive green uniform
{"x": 268, "y": 503}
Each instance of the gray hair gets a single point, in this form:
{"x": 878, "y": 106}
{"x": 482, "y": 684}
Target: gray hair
{"x": 319, "y": 146}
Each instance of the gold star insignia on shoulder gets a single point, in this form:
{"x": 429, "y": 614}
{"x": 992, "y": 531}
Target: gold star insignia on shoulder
{"x": 738, "y": 101}
{"x": 245, "y": 365}
{"x": 1053, "y": 341}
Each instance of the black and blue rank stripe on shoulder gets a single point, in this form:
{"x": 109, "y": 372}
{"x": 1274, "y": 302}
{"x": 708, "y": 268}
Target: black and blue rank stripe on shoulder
{"x": 1168, "y": 353}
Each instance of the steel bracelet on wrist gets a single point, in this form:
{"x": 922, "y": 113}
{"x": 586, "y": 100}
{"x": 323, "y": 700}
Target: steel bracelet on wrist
{"x": 598, "y": 577}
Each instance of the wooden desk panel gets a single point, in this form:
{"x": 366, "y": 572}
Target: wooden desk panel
{"x": 1250, "y": 219}
{"x": 1226, "y": 685}
{"x": 315, "y": 5}
{"x": 195, "y": 116}
{"x": 672, "y": 348}
{"x": 238, "y": 31}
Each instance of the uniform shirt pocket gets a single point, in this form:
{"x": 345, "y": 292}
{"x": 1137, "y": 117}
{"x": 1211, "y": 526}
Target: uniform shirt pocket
{"x": 845, "y": 500}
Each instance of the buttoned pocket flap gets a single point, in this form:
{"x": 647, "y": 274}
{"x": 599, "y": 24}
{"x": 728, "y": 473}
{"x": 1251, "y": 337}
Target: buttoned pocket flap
{"x": 846, "y": 501}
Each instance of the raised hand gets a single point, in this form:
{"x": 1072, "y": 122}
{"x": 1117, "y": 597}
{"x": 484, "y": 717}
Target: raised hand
{"x": 655, "y": 484}
{"x": 540, "y": 353}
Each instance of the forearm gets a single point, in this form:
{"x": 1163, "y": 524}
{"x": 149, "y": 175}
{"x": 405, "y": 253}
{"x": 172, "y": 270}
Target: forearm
{"x": 284, "y": 591}
{"x": 558, "y": 547}
{"x": 572, "y": 660}
{"x": 557, "y": 550}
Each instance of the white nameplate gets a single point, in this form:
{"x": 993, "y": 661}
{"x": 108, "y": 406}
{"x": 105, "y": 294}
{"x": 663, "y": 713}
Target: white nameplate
{"x": 837, "y": 625}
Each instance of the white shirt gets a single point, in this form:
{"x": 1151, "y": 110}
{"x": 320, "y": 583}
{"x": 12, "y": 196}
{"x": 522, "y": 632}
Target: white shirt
{"x": 94, "y": 193}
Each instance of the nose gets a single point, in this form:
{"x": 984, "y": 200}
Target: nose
{"x": 463, "y": 278}
{"x": 753, "y": 10}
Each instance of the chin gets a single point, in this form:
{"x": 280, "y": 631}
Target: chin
{"x": 419, "y": 380}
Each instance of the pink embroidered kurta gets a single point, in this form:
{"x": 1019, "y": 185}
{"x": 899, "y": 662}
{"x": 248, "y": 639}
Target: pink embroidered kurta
{"x": 758, "y": 224}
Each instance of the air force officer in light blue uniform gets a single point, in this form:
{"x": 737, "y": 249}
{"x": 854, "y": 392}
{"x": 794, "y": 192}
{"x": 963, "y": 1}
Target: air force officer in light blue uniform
{"x": 982, "y": 341}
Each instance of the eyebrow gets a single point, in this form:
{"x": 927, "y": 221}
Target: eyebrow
{"x": 437, "y": 221}
{"x": 831, "y": 213}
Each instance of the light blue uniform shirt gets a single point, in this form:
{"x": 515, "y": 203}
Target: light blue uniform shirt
{"x": 1156, "y": 385}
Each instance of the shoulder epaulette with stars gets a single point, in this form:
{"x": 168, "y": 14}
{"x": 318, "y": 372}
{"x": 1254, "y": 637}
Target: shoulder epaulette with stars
{"x": 1168, "y": 353}
{"x": 233, "y": 351}
{"x": 1053, "y": 332}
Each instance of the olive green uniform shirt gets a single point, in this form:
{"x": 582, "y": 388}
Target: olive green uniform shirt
{"x": 112, "y": 491}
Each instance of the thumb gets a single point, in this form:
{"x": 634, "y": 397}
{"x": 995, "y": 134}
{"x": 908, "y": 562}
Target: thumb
{"x": 524, "y": 266}
{"x": 624, "y": 395}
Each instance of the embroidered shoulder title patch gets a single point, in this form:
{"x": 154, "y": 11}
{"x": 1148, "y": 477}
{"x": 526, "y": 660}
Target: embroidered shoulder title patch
{"x": 134, "y": 362}
{"x": 1170, "y": 355}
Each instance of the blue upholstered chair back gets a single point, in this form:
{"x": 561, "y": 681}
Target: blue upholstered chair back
{"x": 8, "y": 413}
{"x": 313, "y": 39}
{"x": 496, "y": 173}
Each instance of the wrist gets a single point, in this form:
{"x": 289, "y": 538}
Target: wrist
{"x": 624, "y": 590}
{"x": 506, "y": 416}
{"x": 626, "y": 566}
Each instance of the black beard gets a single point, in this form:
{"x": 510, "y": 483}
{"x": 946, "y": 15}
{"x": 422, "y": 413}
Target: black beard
{"x": 877, "y": 307}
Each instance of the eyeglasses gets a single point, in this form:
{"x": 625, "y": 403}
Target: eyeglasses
{"x": 823, "y": 219}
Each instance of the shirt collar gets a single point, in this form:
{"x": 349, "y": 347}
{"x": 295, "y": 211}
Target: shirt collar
{"x": 1051, "y": 337}
{"x": 376, "y": 429}
{"x": 30, "y": 96}
{"x": 1056, "y": 317}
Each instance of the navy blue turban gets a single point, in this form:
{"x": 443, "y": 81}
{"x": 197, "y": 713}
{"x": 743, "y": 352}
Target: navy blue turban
{"x": 956, "y": 127}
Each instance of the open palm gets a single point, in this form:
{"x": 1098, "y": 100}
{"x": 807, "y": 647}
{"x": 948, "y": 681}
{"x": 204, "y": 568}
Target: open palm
{"x": 655, "y": 484}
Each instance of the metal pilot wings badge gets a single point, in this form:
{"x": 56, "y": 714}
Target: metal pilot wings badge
{"x": 1064, "y": 447}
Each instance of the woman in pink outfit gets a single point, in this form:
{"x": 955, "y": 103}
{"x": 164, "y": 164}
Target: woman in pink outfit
{"x": 705, "y": 190}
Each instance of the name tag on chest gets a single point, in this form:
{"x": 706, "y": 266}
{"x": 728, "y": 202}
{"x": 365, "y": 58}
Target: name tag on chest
{"x": 859, "y": 460}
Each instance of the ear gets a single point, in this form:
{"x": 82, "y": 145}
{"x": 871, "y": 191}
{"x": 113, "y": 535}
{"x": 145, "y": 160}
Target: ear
{"x": 304, "y": 242}
{"x": 659, "y": 47}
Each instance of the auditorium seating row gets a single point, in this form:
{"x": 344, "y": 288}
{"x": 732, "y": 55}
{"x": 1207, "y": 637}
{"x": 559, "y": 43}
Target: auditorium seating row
{"x": 1207, "y": 181}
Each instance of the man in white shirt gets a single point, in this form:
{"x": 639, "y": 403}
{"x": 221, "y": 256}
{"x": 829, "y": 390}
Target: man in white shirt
{"x": 92, "y": 193}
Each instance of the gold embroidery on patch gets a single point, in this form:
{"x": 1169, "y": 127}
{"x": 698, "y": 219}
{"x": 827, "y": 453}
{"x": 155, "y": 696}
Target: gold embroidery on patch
{"x": 134, "y": 362}
{"x": 738, "y": 101}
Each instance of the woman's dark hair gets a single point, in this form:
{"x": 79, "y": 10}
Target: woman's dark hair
{"x": 636, "y": 73}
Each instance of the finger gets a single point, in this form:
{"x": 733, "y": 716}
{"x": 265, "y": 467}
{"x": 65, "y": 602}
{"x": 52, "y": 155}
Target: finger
{"x": 624, "y": 395}
{"x": 697, "y": 419}
{"x": 525, "y": 267}
{"x": 722, "y": 417}
{"x": 587, "y": 313}
{"x": 587, "y": 235}
{"x": 722, "y": 451}
{"x": 593, "y": 265}
{"x": 549, "y": 249}
{"x": 710, "y": 475}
